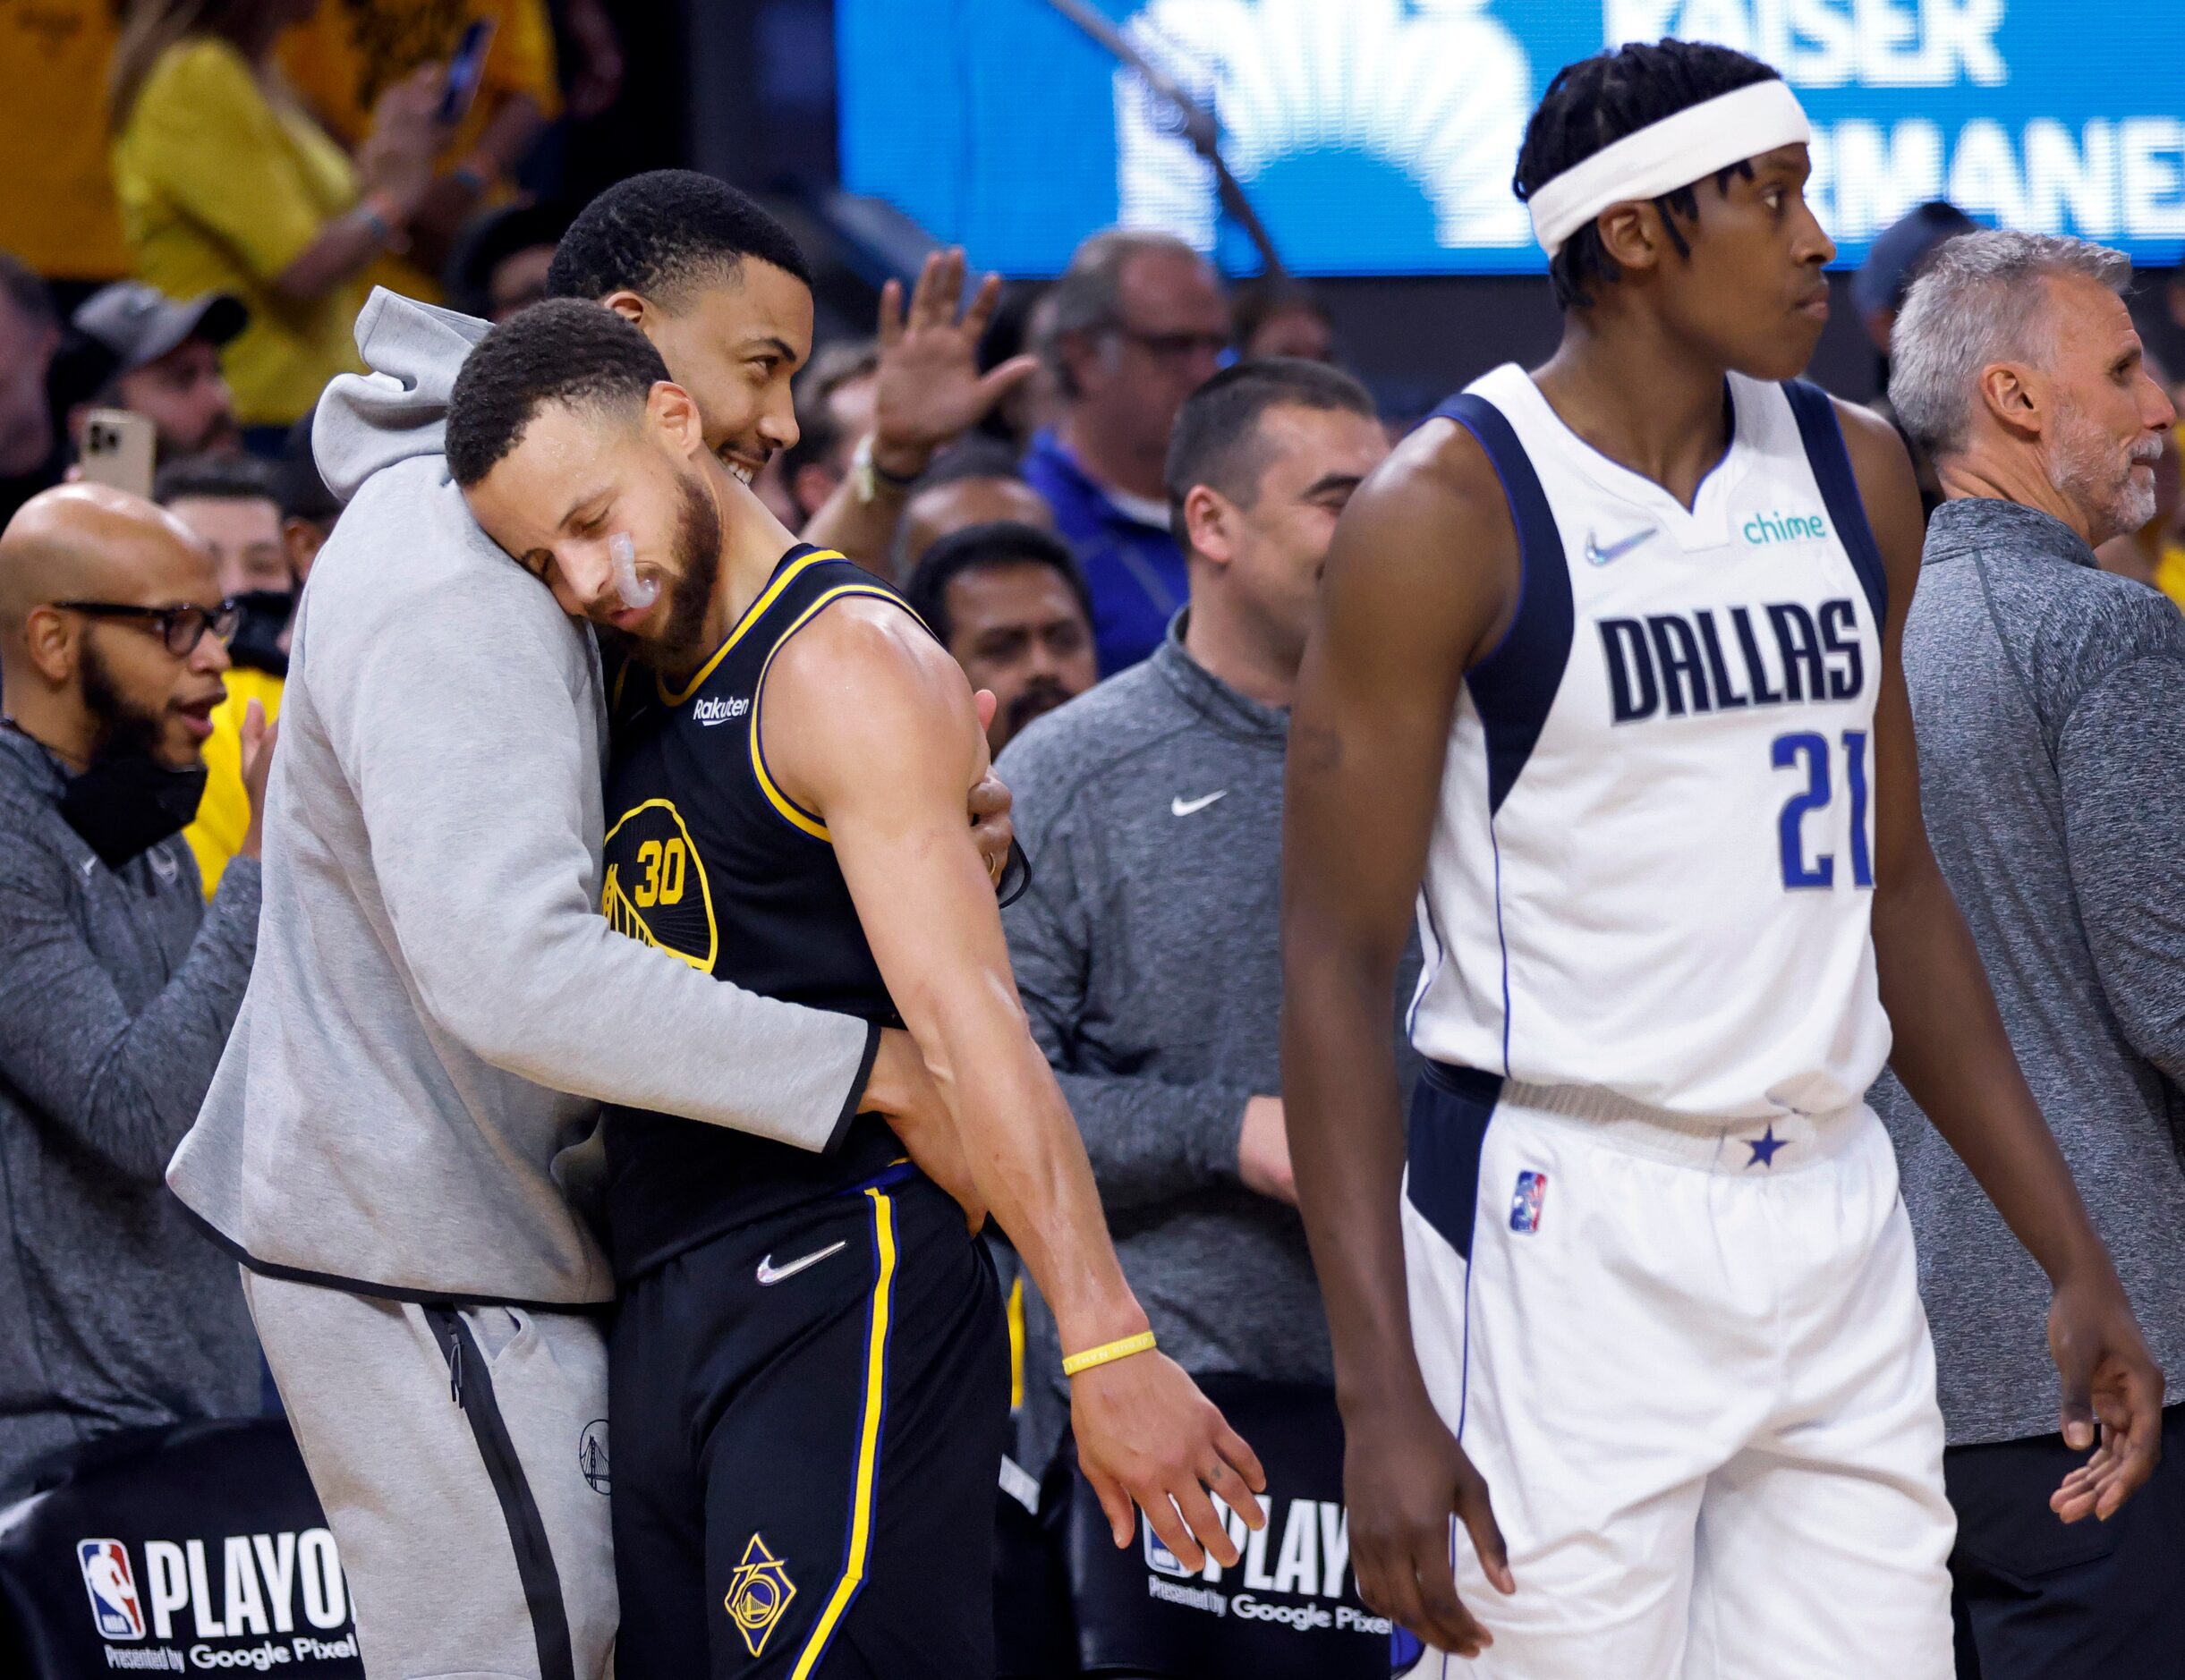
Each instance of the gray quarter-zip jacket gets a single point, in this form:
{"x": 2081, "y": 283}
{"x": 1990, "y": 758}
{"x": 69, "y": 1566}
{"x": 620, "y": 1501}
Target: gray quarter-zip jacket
{"x": 2049, "y": 699}
{"x": 436, "y": 1005}
{"x": 117, "y": 988}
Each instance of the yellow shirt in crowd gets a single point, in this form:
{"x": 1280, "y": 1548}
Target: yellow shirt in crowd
{"x": 2170, "y": 573}
{"x": 56, "y": 199}
{"x": 221, "y": 186}
{"x": 223, "y": 813}
{"x": 352, "y": 51}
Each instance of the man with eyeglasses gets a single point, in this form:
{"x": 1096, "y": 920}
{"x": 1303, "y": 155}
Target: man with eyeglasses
{"x": 118, "y": 982}
{"x": 1135, "y": 325}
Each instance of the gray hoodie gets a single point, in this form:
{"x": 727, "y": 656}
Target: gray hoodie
{"x": 436, "y": 1006}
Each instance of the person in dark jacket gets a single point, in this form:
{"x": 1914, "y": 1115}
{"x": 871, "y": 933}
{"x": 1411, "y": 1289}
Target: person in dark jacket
{"x": 118, "y": 982}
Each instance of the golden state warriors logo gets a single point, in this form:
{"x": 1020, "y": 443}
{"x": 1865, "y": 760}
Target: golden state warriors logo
{"x": 655, "y": 886}
{"x": 758, "y": 1593}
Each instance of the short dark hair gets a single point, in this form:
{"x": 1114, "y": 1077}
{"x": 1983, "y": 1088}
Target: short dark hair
{"x": 664, "y": 235}
{"x": 302, "y": 488}
{"x": 1216, "y": 438}
{"x": 1599, "y": 100}
{"x": 560, "y": 351}
{"x": 216, "y": 478}
{"x": 987, "y": 548}
{"x": 1259, "y": 300}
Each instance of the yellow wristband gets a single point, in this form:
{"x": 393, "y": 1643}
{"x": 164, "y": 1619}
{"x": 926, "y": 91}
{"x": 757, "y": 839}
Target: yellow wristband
{"x": 1107, "y": 1353}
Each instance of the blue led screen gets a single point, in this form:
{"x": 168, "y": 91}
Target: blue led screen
{"x": 1377, "y": 136}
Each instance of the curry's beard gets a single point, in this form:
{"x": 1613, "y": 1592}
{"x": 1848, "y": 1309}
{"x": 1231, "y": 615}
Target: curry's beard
{"x": 2102, "y": 483}
{"x": 698, "y": 563}
{"x": 123, "y": 729}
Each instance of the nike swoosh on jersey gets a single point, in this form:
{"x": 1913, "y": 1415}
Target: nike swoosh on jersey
{"x": 1181, "y": 807}
{"x": 1595, "y": 554}
{"x": 770, "y": 1274}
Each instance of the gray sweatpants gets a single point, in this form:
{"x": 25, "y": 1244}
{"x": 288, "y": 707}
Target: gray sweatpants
{"x": 461, "y": 1456}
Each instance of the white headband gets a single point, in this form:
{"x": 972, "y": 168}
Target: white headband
{"x": 1690, "y": 146}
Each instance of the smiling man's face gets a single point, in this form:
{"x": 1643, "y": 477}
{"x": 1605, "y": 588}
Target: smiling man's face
{"x": 733, "y": 345}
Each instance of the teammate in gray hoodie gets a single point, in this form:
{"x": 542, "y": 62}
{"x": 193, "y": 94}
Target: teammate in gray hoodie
{"x": 389, "y": 1141}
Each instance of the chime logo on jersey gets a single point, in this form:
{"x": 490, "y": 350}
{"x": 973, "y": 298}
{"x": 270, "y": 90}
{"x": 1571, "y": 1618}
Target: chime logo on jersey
{"x": 113, "y": 1586}
{"x": 654, "y": 885}
{"x": 758, "y": 1593}
{"x": 1525, "y": 1201}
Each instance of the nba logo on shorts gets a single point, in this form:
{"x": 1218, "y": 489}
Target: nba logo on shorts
{"x": 113, "y": 1587}
{"x": 1524, "y": 1204}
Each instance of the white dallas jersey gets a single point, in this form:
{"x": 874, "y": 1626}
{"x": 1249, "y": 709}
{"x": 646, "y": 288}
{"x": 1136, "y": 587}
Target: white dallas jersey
{"x": 1652, "y": 869}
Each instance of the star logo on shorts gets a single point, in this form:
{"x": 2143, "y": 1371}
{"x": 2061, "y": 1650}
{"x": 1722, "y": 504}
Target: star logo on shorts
{"x": 1764, "y": 1147}
{"x": 758, "y": 1593}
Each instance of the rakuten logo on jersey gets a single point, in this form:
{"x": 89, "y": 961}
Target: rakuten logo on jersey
{"x": 253, "y": 1585}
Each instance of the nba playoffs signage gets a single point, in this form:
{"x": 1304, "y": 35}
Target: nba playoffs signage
{"x": 188, "y": 1550}
{"x": 1379, "y": 136}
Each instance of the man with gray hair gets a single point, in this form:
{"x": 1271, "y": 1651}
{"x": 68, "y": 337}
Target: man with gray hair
{"x": 2047, "y": 696}
{"x": 1135, "y": 325}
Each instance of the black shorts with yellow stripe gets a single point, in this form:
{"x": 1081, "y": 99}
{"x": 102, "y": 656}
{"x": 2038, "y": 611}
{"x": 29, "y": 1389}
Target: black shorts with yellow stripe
{"x": 808, "y": 1416}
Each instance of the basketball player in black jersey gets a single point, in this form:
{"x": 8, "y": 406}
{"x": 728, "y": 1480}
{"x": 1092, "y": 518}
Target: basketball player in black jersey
{"x": 808, "y": 1373}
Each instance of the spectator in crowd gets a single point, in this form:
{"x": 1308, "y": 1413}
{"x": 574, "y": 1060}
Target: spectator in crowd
{"x": 1008, "y": 603}
{"x": 227, "y": 184}
{"x": 344, "y": 59}
{"x": 1146, "y": 945}
{"x": 1135, "y": 324}
{"x": 834, "y": 413}
{"x": 2046, "y": 697}
{"x": 1274, "y": 316}
{"x": 499, "y": 264}
{"x": 56, "y": 199}
{"x": 744, "y": 338}
{"x": 1878, "y": 289}
{"x": 228, "y": 504}
{"x": 973, "y": 482}
{"x": 161, "y": 359}
{"x": 31, "y": 449}
{"x": 308, "y": 510}
{"x": 118, "y": 983}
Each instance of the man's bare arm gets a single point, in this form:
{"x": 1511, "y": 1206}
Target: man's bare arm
{"x": 1955, "y": 1059}
{"x": 1419, "y": 583}
{"x": 866, "y": 721}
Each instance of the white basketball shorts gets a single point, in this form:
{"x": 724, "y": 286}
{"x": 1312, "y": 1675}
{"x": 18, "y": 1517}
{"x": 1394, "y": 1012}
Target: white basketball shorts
{"x": 1690, "y": 1359}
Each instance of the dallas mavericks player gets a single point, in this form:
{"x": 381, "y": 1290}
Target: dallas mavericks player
{"x": 1607, "y": 659}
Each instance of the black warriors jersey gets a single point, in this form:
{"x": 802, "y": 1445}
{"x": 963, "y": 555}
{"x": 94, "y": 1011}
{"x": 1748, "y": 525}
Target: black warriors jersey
{"x": 707, "y": 859}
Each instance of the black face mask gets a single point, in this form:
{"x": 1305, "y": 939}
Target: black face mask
{"x": 256, "y": 642}
{"x": 125, "y": 805}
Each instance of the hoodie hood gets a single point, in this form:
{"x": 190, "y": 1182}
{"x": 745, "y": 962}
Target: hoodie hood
{"x": 368, "y": 421}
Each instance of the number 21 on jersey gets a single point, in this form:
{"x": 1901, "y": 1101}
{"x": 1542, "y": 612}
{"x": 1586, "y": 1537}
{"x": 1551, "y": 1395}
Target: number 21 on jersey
{"x": 1809, "y": 754}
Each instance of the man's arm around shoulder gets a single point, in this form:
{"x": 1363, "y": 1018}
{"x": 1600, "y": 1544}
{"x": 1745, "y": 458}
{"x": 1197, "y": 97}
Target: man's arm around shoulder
{"x": 464, "y": 726}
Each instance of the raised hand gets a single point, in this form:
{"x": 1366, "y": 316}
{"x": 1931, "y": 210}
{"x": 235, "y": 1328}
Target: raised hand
{"x": 929, "y": 389}
{"x": 259, "y": 736}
